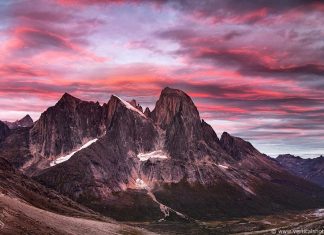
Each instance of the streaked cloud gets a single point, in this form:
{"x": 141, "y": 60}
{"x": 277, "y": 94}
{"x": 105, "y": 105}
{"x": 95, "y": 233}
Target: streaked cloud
{"x": 254, "y": 68}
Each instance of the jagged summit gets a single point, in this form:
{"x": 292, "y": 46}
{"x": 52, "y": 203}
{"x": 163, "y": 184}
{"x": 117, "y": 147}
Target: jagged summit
{"x": 68, "y": 99}
{"x": 67, "y": 125}
{"x": 26, "y": 121}
{"x": 174, "y": 103}
{"x": 287, "y": 156}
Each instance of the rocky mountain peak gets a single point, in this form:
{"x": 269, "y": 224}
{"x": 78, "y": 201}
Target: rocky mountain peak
{"x": 66, "y": 125}
{"x": 68, "y": 100}
{"x": 26, "y": 121}
{"x": 173, "y": 102}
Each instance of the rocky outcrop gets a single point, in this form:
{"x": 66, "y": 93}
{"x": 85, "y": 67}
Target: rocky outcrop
{"x": 4, "y": 131}
{"x": 136, "y": 105}
{"x": 237, "y": 147}
{"x": 311, "y": 169}
{"x": 26, "y": 121}
{"x": 67, "y": 125}
{"x": 147, "y": 112}
{"x": 171, "y": 104}
{"x": 15, "y": 147}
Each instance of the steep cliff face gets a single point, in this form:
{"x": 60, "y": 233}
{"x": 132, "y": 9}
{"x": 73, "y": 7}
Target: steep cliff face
{"x": 176, "y": 114}
{"x": 237, "y": 147}
{"x": 309, "y": 169}
{"x": 66, "y": 125}
{"x": 15, "y": 147}
{"x": 4, "y": 131}
{"x": 187, "y": 137}
{"x": 172, "y": 162}
{"x": 129, "y": 133}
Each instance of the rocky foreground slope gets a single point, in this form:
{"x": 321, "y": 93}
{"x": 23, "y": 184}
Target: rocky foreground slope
{"x": 167, "y": 164}
{"x": 26, "y": 207}
{"x": 311, "y": 169}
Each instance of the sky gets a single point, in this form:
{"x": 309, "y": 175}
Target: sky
{"x": 254, "y": 68}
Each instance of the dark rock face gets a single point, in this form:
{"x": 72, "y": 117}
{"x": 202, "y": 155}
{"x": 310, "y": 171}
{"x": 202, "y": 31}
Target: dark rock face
{"x": 171, "y": 104}
{"x": 109, "y": 166}
{"x": 26, "y": 121}
{"x": 309, "y": 169}
{"x": 15, "y": 147}
{"x": 4, "y": 131}
{"x": 115, "y": 151}
{"x": 66, "y": 125}
{"x": 171, "y": 158}
{"x": 176, "y": 114}
{"x": 237, "y": 147}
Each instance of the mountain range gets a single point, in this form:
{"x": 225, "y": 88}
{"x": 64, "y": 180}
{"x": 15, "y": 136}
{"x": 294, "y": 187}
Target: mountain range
{"x": 311, "y": 169}
{"x": 26, "y": 121}
{"x": 161, "y": 165}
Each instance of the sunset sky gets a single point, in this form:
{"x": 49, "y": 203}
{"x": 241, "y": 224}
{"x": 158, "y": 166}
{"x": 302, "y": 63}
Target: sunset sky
{"x": 254, "y": 68}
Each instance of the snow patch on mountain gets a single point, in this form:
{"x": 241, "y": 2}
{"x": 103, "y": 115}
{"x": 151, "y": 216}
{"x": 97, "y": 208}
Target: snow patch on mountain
{"x": 67, "y": 157}
{"x": 129, "y": 106}
{"x": 140, "y": 184}
{"x": 154, "y": 154}
{"x": 223, "y": 166}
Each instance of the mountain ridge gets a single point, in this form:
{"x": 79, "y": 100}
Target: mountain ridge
{"x": 311, "y": 169}
{"x": 26, "y": 121}
{"x": 168, "y": 164}
{"x": 186, "y": 155}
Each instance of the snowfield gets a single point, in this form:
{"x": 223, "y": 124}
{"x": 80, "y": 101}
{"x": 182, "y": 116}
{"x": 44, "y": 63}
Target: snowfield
{"x": 67, "y": 157}
{"x": 155, "y": 154}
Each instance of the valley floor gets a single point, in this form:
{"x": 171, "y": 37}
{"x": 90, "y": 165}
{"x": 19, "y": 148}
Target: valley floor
{"x": 19, "y": 217}
{"x": 306, "y": 222}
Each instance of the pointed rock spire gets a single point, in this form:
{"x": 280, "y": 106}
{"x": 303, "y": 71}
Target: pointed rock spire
{"x": 173, "y": 102}
{"x": 147, "y": 112}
